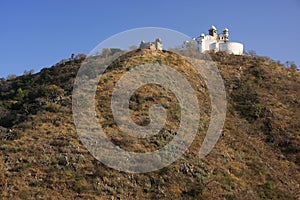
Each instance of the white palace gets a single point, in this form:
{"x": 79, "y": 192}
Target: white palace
{"x": 218, "y": 42}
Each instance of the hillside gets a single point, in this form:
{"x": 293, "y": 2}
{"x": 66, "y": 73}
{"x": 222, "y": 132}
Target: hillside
{"x": 256, "y": 157}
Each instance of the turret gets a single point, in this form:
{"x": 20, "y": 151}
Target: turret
{"x": 158, "y": 44}
{"x": 213, "y": 31}
{"x": 226, "y": 34}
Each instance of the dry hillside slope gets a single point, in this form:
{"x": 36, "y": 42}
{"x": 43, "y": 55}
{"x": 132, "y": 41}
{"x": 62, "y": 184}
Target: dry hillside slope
{"x": 256, "y": 157}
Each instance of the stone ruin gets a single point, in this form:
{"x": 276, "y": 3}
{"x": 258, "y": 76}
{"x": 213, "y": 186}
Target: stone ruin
{"x": 156, "y": 45}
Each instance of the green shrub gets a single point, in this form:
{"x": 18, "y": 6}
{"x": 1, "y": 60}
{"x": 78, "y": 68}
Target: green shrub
{"x": 246, "y": 102}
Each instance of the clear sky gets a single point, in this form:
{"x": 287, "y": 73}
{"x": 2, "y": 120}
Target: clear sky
{"x": 35, "y": 34}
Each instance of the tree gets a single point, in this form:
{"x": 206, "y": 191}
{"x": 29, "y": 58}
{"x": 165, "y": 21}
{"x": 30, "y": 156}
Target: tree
{"x": 294, "y": 66}
{"x": 291, "y": 65}
{"x": 11, "y": 76}
{"x": 252, "y": 53}
{"x": 106, "y": 52}
{"x": 115, "y": 50}
{"x": 30, "y": 72}
{"x": 133, "y": 47}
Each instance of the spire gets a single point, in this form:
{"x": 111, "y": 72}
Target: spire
{"x": 213, "y": 31}
{"x": 226, "y": 34}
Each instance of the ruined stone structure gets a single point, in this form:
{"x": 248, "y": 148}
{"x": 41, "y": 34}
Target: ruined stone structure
{"x": 156, "y": 45}
{"x": 218, "y": 42}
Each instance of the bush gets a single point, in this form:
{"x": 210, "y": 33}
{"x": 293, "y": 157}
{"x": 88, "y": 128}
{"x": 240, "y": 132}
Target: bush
{"x": 247, "y": 103}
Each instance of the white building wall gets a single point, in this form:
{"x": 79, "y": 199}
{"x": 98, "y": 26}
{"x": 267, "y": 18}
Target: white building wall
{"x": 232, "y": 47}
{"x": 214, "y": 46}
{"x": 205, "y": 43}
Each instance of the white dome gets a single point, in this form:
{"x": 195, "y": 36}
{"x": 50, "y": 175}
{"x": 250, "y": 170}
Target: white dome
{"x": 213, "y": 27}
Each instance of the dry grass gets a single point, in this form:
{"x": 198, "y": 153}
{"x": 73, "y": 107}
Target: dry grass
{"x": 257, "y": 156}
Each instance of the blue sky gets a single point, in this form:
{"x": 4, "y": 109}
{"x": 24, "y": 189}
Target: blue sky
{"x": 35, "y": 34}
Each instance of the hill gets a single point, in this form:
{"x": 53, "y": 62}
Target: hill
{"x": 256, "y": 157}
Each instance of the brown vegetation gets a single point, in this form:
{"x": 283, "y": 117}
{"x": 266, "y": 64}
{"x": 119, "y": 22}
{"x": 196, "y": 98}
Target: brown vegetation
{"x": 257, "y": 156}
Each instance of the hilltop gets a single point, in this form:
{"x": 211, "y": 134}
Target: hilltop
{"x": 256, "y": 157}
